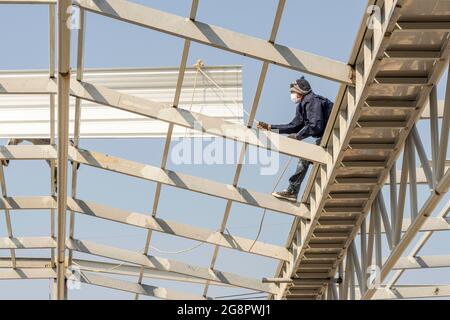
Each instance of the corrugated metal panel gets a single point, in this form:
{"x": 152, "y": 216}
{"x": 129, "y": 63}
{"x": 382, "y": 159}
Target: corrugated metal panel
{"x": 26, "y": 116}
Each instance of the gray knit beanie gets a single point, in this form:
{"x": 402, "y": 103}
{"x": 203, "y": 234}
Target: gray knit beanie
{"x": 301, "y": 86}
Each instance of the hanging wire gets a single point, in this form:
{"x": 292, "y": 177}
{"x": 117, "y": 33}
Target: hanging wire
{"x": 178, "y": 252}
{"x": 151, "y": 247}
{"x": 288, "y": 162}
{"x": 104, "y": 270}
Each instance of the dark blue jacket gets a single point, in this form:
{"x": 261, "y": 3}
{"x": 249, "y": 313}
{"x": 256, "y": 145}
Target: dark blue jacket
{"x": 309, "y": 120}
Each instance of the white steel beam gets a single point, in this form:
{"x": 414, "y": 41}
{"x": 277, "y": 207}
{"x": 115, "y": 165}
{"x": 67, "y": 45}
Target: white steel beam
{"x": 169, "y": 265}
{"x": 197, "y": 121}
{"x": 431, "y": 224}
{"x": 29, "y": 85}
{"x": 445, "y": 130}
{"x": 8, "y": 222}
{"x": 421, "y": 176}
{"x": 102, "y": 267}
{"x": 52, "y": 113}
{"x": 158, "y": 292}
{"x": 26, "y": 273}
{"x": 27, "y": 243}
{"x": 37, "y": 263}
{"x": 39, "y": 152}
{"x": 77, "y": 122}
{"x": 220, "y": 38}
{"x": 27, "y": 1}
{"x": 434, "y": 132}
{"x": 422, "y": 262}
{"x": 131, "y": 270}
{"x": 180, "y": 180}
{"x": 64, "y": 17}
{"x": 27, "y": 203}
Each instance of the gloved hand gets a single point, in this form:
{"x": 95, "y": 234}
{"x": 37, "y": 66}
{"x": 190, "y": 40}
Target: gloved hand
{"x": 263, "y": 125}
{"x": 293, "y": 136}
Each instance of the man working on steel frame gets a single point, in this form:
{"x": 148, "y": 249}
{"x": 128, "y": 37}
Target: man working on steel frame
{"x": 310, "y": 120}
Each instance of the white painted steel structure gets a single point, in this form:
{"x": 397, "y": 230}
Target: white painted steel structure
{"x": 344, "y": 224}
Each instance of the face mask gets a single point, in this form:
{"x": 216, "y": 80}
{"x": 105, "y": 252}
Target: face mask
{"x": 294, "y": 98}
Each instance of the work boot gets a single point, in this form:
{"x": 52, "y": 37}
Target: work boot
{"x": 286, "y": 195}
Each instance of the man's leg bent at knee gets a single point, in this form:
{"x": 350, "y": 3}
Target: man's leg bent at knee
{"x": 295, "y": 182}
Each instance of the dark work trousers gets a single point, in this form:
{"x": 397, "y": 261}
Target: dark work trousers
{"x": 297, "y": 178}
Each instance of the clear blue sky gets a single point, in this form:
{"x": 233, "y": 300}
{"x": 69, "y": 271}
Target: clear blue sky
{"x": 324, "y": 27}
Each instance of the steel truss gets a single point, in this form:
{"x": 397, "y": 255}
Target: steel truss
{"x": 363, "y": 146}
{"x": 388, "y": 88}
